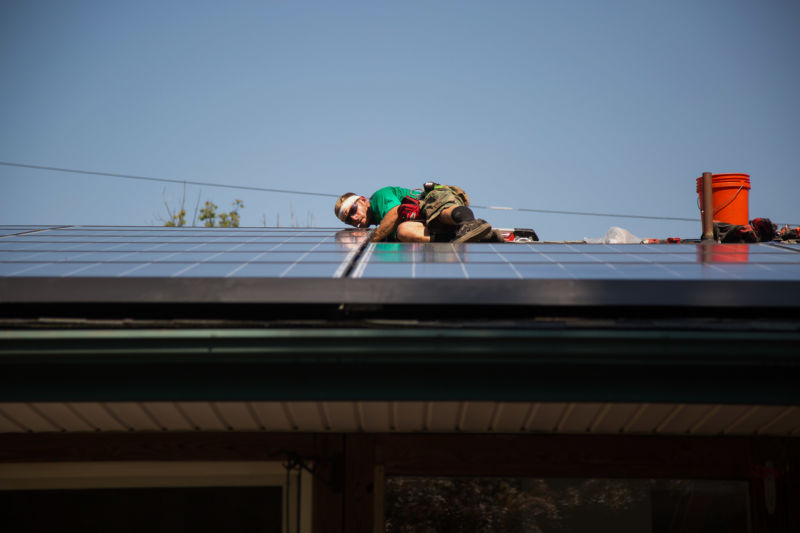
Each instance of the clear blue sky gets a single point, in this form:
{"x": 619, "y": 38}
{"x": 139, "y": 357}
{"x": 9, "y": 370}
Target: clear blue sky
{"x": 611, "y": 106}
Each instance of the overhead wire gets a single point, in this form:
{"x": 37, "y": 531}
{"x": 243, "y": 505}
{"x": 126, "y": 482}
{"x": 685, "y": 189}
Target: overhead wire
{"x": 167, "y": 180}
{"x": 582, "y": 213}
{"x": 327, "y": 195}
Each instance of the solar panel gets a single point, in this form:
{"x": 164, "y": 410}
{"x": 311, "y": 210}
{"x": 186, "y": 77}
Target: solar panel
{"x": 177, "y": 252}
{"x": 332, "y": 265}
{"x": 581, "y": 261}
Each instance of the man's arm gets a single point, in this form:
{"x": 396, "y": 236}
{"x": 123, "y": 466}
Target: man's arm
{"x": 387, "y": 226}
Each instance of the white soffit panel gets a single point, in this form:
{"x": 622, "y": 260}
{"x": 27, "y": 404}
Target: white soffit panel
{"x": 547, "y": 417}
{"x": 409, "y": 416}
{"x": 25, "y": 416}
{"x": 342, "y": 415}
{"x": 510, "y": 417}
{"x": 403, "y": 417}
{"x": 67, "y": 418}
{"x": 239, "y": 415}
{"x": 168, "y": 416}
{"x": 442, "y": 416}
{"x": 308, "y": 416}
{"x": 98, "y": 415}
{"x": 133, "y": 416}
{"x": 271, "y": 416}
{"x": 580, "y": 417}
{"x": 203, "y": 416}
{"x": 375, "y": 416}
{"x": 784, "y": 423}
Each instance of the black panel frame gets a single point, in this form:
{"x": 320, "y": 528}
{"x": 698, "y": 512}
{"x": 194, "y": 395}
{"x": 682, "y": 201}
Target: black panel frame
{"x": 310, "y": 291}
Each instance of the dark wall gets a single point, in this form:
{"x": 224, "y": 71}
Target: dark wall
{"x": 350, "y": 468}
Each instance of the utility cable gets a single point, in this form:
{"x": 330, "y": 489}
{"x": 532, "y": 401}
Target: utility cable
{"x": 328, "y": 195}
{"x": 167, "y": 180}
{"x": 583, "y": 213}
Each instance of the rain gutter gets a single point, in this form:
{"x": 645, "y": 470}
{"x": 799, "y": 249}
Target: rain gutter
{"x": 590, "y": 365}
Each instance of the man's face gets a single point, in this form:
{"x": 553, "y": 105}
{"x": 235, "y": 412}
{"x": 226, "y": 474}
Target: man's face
{"x": 358, "y": 213}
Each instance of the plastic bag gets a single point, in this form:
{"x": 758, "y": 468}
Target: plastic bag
{"x": 615, "y": 235}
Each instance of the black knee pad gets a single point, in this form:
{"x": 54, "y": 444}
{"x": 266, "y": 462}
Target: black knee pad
{"x": 462, "y": 214}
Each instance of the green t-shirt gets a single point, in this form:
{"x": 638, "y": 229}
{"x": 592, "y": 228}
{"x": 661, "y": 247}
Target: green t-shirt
{"x": 385, "y": 199}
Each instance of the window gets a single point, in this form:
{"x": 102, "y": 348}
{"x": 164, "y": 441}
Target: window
{"x": 133, "y": 496}
{"x": 483, "y": 504}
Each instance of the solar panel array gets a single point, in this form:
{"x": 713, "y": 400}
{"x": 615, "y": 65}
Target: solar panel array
{"x": 175, "y": 252}
{"x": 581, "y": 261}
{"x": 135, "y": 252}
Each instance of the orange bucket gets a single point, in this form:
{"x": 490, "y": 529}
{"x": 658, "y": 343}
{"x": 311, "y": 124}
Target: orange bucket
{"x": 730, "y": 194}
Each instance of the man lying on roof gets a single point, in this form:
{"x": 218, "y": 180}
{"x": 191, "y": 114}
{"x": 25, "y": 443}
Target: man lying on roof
{"x": 439, "y": 214}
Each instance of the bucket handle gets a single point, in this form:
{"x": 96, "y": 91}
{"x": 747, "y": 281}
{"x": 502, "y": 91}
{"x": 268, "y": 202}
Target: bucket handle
{"x": 720, "y": 208}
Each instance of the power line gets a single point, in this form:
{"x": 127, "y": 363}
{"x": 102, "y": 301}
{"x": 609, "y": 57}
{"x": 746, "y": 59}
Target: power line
{"x": 582, "y": 213}
{"x": 167, "y": 180}
{"x": 327, "y": 195}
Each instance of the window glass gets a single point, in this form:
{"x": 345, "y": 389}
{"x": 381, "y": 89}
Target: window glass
{"x": 440, "y": 504}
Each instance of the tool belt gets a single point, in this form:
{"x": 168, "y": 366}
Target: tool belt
{"x": 409, "y": 208}
{"x": 430, "y": 201}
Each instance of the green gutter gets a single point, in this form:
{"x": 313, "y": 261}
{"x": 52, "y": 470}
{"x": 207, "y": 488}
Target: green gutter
{"x": 400, "y": 364}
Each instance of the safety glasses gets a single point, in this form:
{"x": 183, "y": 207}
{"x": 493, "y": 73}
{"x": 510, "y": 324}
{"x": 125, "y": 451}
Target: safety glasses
{"x": 352, "y": 212}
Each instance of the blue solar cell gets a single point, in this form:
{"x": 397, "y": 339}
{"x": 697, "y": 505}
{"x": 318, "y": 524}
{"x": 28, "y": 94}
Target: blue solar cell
{"x": 544, "y": 271}
{"x": 440, "y": 270}
{"x": 243, "y": 247}
{"x": 311, "y": 270}
{"x": 7, "y": 245}
{"x": 257, "y": 270}
{"x": 8, "y": 255}
{"x": 139, "y": 257}
{"x": 775, "y": 258}
{"x": 210, "y": 270}
{"x": 39, "y": 269}
{"x": 273, "y": 239}
{"x": 194, "y": 257}
{"x": 11, "y": 269}
{"x": 308, "y": 247}
{"x": 101, "y": 270}
{"x": 617, "y": 258}
{"x": 783, "y": 272}
{"x": 492, "y": 271}
{"x": 126, "y": 247}
{"x": 39, "y": 256}
{"x": 470, "y": 257}
{"x": 169, "y": 247}
{"x": 771, "y": 248}
{"x": 790, "y": 246}
{"x": 414, "y": 270}
{"x": 166, "y": 270}
{"x": 641, "y": 271}
{"x": 544, "y": 248}
{"x": 594, "y": 271}
{"x": 385, "y": 270}
{"x": 14, "y": 238}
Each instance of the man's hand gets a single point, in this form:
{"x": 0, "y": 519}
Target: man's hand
{"x": 387, "y": 226}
